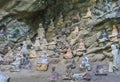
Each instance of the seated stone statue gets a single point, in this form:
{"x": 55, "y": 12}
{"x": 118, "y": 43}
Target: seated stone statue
{"x": 60, "y": 21}
{"x": 4, "y": 77}
{"x": 116, "y": 56}
{"x": 27, "y": 64}
{"x": 88, "y": 14}
{"x": 37, "y": 44}
{"x": 67, "y": 75}
{"x": 42, "y": 64}
{"x": 51, "y": 26}
{"x": 81, "y": 46}
{"x": 33, "y": 53}
{"x": 15, "y": 66}
{"x": 71, "y": 64}
{"x": 68, "y": 54}
{"x": 114, "y": 35}
{"x": 24, "y": 49}
{"x": 9, "y": 57}
{"x": 76, "y": 18}
{"x": 76, "y": 30}
{"x": 55, "y": 54}
{"x": 73, "y": 35}
{"x": 54, "y": 76}
{"x": 104, "y": 36}
{"x": 43, "y": 43}
{"x": 100, "y": 70}
{"x": 19, "y": 54}
{"x": 29, "y": 42}
{"x": 85, "y": 63}
{"x": 41, "y": 31}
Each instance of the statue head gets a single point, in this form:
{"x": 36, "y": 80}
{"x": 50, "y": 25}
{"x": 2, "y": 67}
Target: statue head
{"x": 19, "y": 48}
{"x": 9, "y": 48}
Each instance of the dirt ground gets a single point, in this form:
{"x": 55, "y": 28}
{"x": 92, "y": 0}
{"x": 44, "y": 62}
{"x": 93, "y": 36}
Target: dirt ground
{"x": 40, "y": 76}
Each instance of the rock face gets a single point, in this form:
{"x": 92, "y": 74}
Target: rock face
{"x": 20, "y": 18}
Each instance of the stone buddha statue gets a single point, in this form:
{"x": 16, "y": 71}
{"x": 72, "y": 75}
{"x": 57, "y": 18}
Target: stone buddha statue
{"x": 24, "y": 49}
{"x": 29, "y": 42}
{"x": 37, "y": 44}
{"x": 42, "y": 64}
{"x": 33, "y": 53}
{"x": 60, "y": 21}
{"x": 52, "y": 26}
{"x": 81, "y": 45}
{"x": 76, "y": 30}
{"x": 88, "y": 14}
{"x": 104, "y": 36}
{"x": 41, "y": 31}
{"x": 76, "y": 18}
{"x": 9, "y": 57}
{"x": 114, "y": 35}
{"x": 68, "y": 54}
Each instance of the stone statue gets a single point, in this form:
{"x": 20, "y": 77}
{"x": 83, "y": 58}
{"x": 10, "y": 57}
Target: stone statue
{"x": 43, "y": 43}
{"x": 37, "y": 44}
{"x": 41, "y": 31}
{"x": 33, "y": 53}
{"x": 81, "y": 46}
{"x": 60, "y": 21}
{"x": 88, "y": 14}
{"x": 76, "y": 18}
{"x": 76, "y": 30}
{"x": 71, "y": 64}
{"x": 54, "y": 76}
{"x": 15, "y": 66}
{"x": 116, "y": 57}
{"x": 114, "y": 35}
{"x": 51, "y": 26}
{"x": 27, "y": 64}
{"x": 42, "y": 64}
{"x": 73, "y": 34}
{"x": 9, "y": 57}
{"x": 29, "y": 42}
{"x": 104, "y": 37}
{"x": 68, "y": 54}
{"x": 3, "y": 77}
{"x": 85, "y": 63}
{"x": 55, "y": 54}
{"x": 24, "y": 49}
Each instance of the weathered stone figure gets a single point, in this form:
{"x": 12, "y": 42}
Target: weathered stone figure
{"x": 88, "y": 14}
{"x": 116, "y": 56}
{"x": 9, "y": 57}
{"x": 41, "y": 31}
{"x": 3, "y": 77}
{"x": 114, "y": 34}
{"x": 37, "y": 44}
{"x": 42, "y": 63}
{"x": 68, "y": 54}
{"x": 81, "y": 45}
